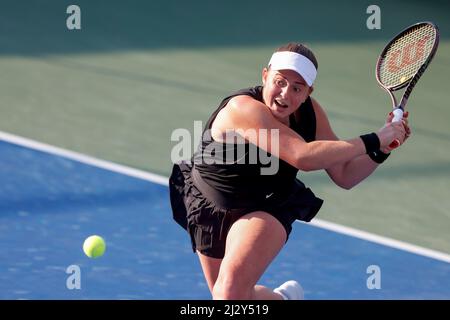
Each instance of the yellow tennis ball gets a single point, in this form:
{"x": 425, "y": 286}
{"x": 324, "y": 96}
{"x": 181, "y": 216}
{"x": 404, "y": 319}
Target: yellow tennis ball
{"x": 402, "y": 79}
{"x": 94, "y": 246}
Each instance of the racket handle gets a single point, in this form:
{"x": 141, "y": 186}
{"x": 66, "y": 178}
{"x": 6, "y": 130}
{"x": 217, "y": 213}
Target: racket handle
{"x": 398, "y": 116}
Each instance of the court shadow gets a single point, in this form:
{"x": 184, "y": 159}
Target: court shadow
{"x": 39, "y": 27}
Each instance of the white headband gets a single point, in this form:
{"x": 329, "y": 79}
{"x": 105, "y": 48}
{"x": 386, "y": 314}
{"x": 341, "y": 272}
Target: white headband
{"x": 288, "y": 60}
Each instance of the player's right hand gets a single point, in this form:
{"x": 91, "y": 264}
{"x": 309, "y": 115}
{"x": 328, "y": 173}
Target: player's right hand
{"x": 390, "y": 132}
{"x": 405, "y": 124}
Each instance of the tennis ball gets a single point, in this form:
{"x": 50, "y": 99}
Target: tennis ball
{"x": 94, "y": 246}
{"x": 402, "y": 79}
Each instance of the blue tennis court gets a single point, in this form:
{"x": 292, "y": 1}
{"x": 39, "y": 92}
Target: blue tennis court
{"x": 50, "y": 203}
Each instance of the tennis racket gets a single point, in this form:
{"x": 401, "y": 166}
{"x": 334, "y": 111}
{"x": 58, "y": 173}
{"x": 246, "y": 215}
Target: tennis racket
{"x": 403, "y": 61}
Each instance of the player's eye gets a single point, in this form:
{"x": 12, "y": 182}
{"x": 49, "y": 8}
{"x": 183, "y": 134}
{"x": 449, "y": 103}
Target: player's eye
{"x": 280, "y": 83}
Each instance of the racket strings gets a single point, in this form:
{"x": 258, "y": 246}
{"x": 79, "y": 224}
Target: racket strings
{"x": 406, "y": 55}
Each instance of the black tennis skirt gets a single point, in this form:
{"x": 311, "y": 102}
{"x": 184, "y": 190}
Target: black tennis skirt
{"x": 207, "y": 221}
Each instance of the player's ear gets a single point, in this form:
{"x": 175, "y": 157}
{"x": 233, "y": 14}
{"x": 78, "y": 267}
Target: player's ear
{"x": 265, "y": 72}
{"x": 311, "y": 89}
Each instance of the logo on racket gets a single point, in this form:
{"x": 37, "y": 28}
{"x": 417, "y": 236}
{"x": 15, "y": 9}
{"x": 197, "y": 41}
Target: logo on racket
{"x": 407, "y": 55}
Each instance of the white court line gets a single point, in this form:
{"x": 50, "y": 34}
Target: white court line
{"x": 140, "y": 174}
{"x": 405, "y": 246}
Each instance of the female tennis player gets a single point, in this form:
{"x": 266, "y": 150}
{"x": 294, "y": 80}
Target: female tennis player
{"x": 237, "y": 211}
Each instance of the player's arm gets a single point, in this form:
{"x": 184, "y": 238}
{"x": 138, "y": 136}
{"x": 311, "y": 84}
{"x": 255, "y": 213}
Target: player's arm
{"x": 247, "y": 115}
{"x": 347, "y": 174}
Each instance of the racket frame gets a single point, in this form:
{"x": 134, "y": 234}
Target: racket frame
{"x": 411, "y": 82}
{"x": 398, "y": 109}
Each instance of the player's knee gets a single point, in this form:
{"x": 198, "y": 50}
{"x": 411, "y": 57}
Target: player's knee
{"x": 229, "y": 289}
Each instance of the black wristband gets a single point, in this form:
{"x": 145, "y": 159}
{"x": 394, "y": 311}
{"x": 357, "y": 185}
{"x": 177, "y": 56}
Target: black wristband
{"x": 371, "y": 142}
{"x": 379, "y": 156}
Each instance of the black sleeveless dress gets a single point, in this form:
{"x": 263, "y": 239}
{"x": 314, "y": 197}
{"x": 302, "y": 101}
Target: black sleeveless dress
{"x": 207, "y": 197}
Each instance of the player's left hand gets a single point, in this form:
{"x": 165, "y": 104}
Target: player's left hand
{"x": 405, "y": 124}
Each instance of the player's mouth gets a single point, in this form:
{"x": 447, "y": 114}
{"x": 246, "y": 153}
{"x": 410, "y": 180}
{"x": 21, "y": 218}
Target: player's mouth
{"x": 280, "y": 104}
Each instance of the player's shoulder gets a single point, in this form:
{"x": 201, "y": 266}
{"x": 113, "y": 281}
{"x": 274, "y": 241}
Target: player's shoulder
{"x": 242, "y": 111}
{"x": 244, "y": 106}
{"x": 323, "y": 126}
{"x": 317, "y": 106}
{"x": 243, "y": 102}
{"x": 319, "y": 111}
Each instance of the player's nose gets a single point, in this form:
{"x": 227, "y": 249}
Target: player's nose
{"x": 284, "y": 92}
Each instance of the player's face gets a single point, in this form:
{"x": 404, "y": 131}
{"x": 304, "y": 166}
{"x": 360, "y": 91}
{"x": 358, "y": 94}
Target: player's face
{"x": 284, "y": 91}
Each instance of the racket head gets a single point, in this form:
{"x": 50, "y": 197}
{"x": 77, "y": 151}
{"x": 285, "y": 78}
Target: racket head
{"x": 407, "y": 55}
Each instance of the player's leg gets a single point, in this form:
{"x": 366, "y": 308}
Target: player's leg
{"x": 252, "y": 243}
{"x": 210, "y": 268}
